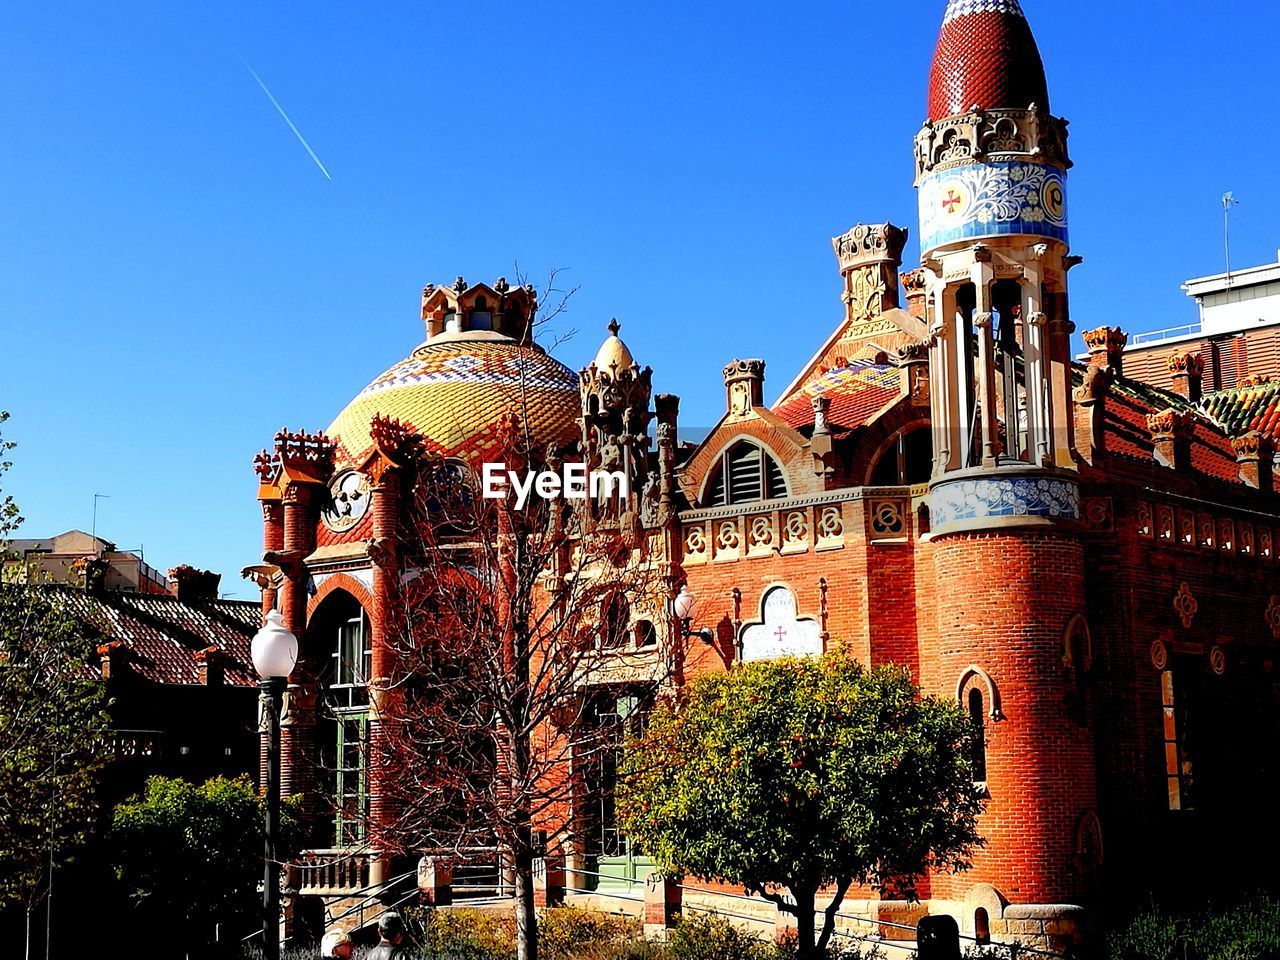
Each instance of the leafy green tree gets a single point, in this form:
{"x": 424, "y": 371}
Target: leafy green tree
{"x": 804, "y": 775}
{"x": 190, "y": 856}
{"x": 53, "y": 725}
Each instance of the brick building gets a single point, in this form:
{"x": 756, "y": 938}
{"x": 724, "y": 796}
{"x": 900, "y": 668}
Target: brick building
{"x": 1086, "y": 561}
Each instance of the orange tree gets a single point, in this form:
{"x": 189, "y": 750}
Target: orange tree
{"x": 804, "y": 776}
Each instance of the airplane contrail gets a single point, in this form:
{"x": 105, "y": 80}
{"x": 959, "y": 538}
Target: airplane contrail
{"x": 279, "y": 109}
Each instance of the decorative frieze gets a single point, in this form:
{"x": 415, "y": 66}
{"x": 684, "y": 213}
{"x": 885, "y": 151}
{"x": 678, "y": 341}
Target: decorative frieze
{"x": 797, "y": 526}
{"x": 1220, "y": 532}
{"x": 987, "y": 135}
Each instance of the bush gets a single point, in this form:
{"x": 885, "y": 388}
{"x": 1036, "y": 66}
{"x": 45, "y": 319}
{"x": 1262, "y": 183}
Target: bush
{"x": 470, "y": 935}
{"x": 565, "y": 933}
{"x": 190, "y": 856}
{"x": 1247, "y": 931}
{"x": 708, "y": 936}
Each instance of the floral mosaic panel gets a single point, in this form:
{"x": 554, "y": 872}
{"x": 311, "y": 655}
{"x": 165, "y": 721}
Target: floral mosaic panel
{"x": 1000, "y": 497}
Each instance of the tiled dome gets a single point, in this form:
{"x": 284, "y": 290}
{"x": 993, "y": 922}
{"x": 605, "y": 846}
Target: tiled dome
{"x": 455, "y": 392}
{"x": 986, "y": 57}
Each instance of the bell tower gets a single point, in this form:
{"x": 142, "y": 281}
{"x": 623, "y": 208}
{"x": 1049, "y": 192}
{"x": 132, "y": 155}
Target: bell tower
{"x": 991, "y": 171}
{"x": 1004, "y": 499}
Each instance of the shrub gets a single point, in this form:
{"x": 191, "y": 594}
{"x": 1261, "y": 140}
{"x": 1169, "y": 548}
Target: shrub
{"x": 1247, "y": 931}
{"x": 565, "y": 933}
{"x": 709, "y": 936}
{"x": 471, "y": 935}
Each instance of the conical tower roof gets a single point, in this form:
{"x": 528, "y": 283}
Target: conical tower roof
{"x": 986, "y": 58}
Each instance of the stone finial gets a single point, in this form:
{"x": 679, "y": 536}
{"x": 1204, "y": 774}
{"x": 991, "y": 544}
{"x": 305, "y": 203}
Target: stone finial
{"x": 1171, "y": 432}
{"x": 1187, "y": 370}
{"x": 264, "y": 465}
{"x": 870, "y": 244}
{"x": 821, "y": 404}
{"x": 1106, "y": 348}
{"x": 744, "y": 386}
{"x": 1255, "y": 454}
{"x": 915, "y": 289}
{"x": 820, "y": 445}
{"x": 869, "y": 258}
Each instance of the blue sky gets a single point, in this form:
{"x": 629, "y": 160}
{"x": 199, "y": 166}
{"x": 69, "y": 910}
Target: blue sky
{"x": 179, "y": 279}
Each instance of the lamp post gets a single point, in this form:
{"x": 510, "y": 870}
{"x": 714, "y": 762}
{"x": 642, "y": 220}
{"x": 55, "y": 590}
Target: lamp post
{"x": 275, "y": 652}
{"x": 684, "y": 606}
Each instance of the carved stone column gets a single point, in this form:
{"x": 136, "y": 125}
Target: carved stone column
{"x": 1062, "y": 417}
{"x": 1039, "y": 412}
{"x": 383, "y": 557}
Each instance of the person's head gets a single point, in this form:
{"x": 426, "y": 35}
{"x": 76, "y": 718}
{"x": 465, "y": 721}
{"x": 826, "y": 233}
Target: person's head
{"x": 391, "y": 927}
{"x": 336, "y": 944}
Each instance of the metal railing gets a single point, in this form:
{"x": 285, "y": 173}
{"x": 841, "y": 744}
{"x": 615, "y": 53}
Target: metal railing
{"x": 1155, "y": 336}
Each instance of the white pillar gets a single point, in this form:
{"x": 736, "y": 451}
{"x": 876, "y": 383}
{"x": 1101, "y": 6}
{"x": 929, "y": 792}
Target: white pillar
{"x": 982, "y": 277}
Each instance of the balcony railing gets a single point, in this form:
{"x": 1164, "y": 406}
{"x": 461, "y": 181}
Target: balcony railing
{"x": 1155, "y": 336}
{"x": 333, "y": 871}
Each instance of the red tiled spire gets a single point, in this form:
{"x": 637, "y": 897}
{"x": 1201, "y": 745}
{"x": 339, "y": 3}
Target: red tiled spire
{"x": 987, "y": 57}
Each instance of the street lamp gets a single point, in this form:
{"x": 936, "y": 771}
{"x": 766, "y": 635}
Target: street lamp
{"x": 275, "y": 652}
{"x": 684, "y": 606}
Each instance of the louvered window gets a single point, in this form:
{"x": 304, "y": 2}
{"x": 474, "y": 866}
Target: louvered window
{"x": 746, "y": 473}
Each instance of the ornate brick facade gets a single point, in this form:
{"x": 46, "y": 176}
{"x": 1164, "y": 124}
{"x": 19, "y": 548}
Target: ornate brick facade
{"x": 1087, "y": 562}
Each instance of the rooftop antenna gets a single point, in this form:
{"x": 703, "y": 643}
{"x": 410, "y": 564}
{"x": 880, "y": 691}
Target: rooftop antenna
{"x": 1228, "y": 201}
{"x": 94, "y": 530}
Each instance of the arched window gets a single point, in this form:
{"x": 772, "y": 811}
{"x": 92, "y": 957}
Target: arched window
{"x": 908, "y": 459}
{"x": 745, "y": 473}
{"x": 616, "y": 622}
{"x": 646, "y": 635}
{"x": 978, "y": 718}
{"x": 1077, "y": 657}
{"x": 981, "y": 925}
{"x": 341, "y": 644}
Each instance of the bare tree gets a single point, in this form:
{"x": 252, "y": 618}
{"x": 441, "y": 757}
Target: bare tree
{"x": 507, "y": 614}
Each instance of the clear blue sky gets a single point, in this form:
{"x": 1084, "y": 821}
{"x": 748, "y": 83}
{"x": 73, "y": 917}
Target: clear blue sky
{"x": 179, "y": 280}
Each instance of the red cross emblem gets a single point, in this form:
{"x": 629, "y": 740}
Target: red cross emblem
{"x": 952, "y": 200}
{"x": 781, "y": 634}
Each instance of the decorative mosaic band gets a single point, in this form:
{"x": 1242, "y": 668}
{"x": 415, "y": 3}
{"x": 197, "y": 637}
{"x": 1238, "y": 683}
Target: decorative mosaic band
{"x": 987, "y": 497}
{"x": 992, "y": 200}
{"x": 962, "y": 8}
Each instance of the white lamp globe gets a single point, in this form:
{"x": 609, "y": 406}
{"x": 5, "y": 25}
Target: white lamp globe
{"x": 685, "y": 604}
{"x": 274, "y": 648}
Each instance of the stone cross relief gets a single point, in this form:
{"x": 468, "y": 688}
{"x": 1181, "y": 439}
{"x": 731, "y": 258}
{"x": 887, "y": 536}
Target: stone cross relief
{"x": 780, "y": 632}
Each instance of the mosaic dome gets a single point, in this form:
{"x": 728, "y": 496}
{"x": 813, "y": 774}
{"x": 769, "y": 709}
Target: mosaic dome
{"x": 986, "y": 58}
{"x": 455, "y": 389}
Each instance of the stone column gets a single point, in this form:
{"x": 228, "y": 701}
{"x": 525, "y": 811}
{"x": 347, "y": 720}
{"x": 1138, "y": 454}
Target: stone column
{"x": 297, "y": 722}
{"x": 1062, "y": 418}
{"x": 942, "y": 386}
{"x": 1039, "y": 413}
{"x": 982, "y": 277}
{"x": 962, "y": 405}
{"x": 384, "y": 559}
{"x": 272, "y": 542}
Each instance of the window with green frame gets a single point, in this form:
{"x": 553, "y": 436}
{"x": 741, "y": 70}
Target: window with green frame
{"x": 348, "y": 699}
{"x": 351, "y": 794}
